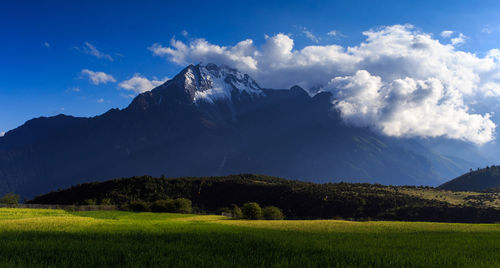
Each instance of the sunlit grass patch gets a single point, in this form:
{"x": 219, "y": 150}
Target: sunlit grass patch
{"x": 56, "y": 238}
{"x": 364, "y": 227}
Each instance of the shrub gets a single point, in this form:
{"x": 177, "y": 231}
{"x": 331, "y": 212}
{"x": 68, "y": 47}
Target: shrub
{"x": 236, "y": 211}
{"x": 179, "y": 205}
{"x": 272, "y": 213}
{"x": 89, "y": 202}
{"x": 10, "y": 198}
{"x": 251, "y": 211}
{"x": 224, "y": 210}
{"x": 71, "y": 208}
{"x": 162, "y": 205}
{"x": 106, "y": 201}
{"x": 183, "y": 205}
{"x": 138, "y": 206}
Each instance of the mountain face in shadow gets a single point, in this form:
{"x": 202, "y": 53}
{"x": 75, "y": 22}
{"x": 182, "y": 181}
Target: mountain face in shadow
{"x": 213, "y": 120}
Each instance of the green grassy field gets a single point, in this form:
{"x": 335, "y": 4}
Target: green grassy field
{"x": 56, "y": 238}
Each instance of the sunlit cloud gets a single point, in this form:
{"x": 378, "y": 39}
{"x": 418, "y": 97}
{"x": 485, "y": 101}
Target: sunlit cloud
{"x": 139, "y": 84}
{"x": 399, "y": 71}
{"x": 97, "y": 78}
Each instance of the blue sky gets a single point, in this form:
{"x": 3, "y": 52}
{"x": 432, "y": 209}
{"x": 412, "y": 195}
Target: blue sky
{"x": 46, "y": 45}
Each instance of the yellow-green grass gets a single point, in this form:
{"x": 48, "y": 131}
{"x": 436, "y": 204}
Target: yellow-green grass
{"x": 451, "y": 197}
{"x": 56, "y": 238}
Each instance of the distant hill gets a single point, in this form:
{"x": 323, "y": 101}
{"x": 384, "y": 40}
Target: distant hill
{"x": 298, "y": 200}
{"x": 477, "y": 180}
{"x": 208, "y": 121}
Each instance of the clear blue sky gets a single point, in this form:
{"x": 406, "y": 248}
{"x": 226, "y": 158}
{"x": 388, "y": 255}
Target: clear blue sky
{"x": 43, "y": 42}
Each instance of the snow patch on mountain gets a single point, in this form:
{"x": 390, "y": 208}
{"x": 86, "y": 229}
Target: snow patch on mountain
{"x": 211, "y": 83}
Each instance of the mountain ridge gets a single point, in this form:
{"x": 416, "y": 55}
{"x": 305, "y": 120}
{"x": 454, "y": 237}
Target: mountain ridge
{"x": 167, "y": 131}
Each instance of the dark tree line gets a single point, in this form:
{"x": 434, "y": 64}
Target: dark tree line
{"x": 297, "y": 200}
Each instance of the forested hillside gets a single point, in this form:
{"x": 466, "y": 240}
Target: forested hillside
{"x": 477, "y": 180}
{"x": 298, "y": 200}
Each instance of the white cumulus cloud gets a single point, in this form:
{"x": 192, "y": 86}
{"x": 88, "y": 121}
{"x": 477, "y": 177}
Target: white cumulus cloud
{"x": 460, "y": 39}
{"x": 408, "y": 107}
{"x": 333, "y": 33}
{"x": 97, "y": 78}
{"x": 446, "y": 34}
{"x": 457, "y": 40}
{"x": 416, "y": 85}
{"x": 2, "y": 133}
{"x": 140, "y": 84}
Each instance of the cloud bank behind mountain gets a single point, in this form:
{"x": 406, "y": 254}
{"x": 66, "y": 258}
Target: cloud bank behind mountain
{"x": 400, "y": 81}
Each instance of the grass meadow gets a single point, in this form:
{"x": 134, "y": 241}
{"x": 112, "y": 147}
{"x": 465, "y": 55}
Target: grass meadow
{"x": 57, "y": 238}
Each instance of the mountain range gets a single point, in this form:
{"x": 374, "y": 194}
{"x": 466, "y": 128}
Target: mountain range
{"x": 214, "y": 120}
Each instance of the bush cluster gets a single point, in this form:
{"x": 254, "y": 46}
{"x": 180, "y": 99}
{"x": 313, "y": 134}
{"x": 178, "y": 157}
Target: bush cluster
{"x": 236, "y": 211}
{"x": 253, "y": 211}
{"x": 179, "y": 205}
{"x": 138, "y": 206}
{"x": 272, "y": 213}
{"x": 10, "y": 199}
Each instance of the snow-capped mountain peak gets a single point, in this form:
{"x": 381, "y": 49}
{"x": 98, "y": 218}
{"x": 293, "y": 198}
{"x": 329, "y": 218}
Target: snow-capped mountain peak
{"x": 211, "y": 82}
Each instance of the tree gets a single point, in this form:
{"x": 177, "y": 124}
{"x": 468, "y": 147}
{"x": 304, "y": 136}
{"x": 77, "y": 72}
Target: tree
{"x": 224, "y": 210}
{"x": 183, "y": 205}
{"x": 272, "y": 213}
{"x": 138, "y": 206}
{"x": 10, "y": 198}
{"x": 236, "y": 211}
{"x": 106, "y": 201}
{"x": 163, "y": 205}
{"x": 89, "y": 202}
{"x": 251, "y": 211}
{"x": 179, "y": 205}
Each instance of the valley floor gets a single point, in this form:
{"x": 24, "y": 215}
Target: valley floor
{"x": 57, "y": 238}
